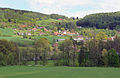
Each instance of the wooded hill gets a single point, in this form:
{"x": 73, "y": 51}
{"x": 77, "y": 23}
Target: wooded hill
{"x": 101, "y": 20}
{"x": 22, "y": 16}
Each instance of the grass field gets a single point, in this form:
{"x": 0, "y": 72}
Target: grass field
{"x": 19, "y": 40}
{"x": 7, "y": 31}
{"x": 50, "y": 38}
{"x": 46, "y": 22}
{"x": 58, "y": 72}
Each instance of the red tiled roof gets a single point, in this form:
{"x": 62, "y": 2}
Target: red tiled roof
{"x": 109, "y": 38}
{"x": 45, "y": 29}
{"x": 34, "y": 29}
{"x": 60, "y": 19}
{"x": 56, "y": 33}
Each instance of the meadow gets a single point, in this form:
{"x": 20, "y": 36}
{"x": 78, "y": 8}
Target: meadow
{"x": 19, "y": 41}
{"x": 7, "y": 31}
{"x": 58, "y": 72}
{"x": 50, "y": 38}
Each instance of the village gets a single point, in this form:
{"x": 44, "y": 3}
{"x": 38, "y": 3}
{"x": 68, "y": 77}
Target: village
{"x": 43, "y": 31}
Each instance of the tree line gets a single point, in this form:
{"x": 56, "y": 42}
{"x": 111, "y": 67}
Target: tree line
{"x": 67, "y": 53}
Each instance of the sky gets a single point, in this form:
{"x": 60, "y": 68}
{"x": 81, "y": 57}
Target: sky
{"x": 70, "y": 8}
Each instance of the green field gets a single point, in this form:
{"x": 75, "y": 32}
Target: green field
{"x": 46, "y": 22}
{"x": 7, "y": 31}
{"x": 50, "y": 38}
{"x": 19, "y": 40}
{"x": 58, "y": 72}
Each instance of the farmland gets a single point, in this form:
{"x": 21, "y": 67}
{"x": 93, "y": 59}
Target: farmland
{"x": 58, "y": 72}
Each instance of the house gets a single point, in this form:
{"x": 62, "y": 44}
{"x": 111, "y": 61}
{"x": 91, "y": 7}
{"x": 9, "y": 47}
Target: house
{"x": 64, "y": 32}
{"x": 60, "y": 19}
{"x": 42, "y": 28}
{"x": 78, "y": 38}
{"x": 20, "y": 33}
{"x": 34, "y": 29}
{"x": 79, "y": 27}
{"x": 59, "y": 31}
{"x": 69, "y": 33}
{"x": 29, "y": 34}
{"x": 22, "y": 26}
{"x": 45, "y": 29}
{"x": 112, "y": 38}
{"x": 109, "y": 39}
{"x": 56, "y": 33}
{"x": 41, "y": 33}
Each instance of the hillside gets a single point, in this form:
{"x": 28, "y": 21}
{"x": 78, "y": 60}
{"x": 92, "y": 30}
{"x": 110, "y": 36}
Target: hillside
{"x": 24, "y": 27}
{"x": 101, "y": 20}
{"x": 22, "y": 16}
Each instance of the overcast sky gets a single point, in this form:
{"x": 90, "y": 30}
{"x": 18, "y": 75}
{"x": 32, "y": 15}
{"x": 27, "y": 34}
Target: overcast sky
{"x": 68, "y": 8}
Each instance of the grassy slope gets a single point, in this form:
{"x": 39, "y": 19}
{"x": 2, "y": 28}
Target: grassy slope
{"x": 19, "y": 40}
{"x": 7, "y": 31}
{"x": 46, "y": 22}
{"x": 58, "y": 72}
{"x": 50, "y": 38}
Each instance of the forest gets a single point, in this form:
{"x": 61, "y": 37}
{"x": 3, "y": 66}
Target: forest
{"x": 109, "y": 20}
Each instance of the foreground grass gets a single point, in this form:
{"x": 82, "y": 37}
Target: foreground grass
{"x": 58, "y": 72}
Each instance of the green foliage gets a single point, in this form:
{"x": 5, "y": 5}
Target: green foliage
{"x": 113, "y": 58}
{"x": 66, "y": 47}
{"x": 51, "y": 23}
{"x": 11, "y": 58}
{"x": 1, "y": 59}
{"x": 8, "y": 53}
{"x": 83, "y": 57}
{"x": 101, "y": 20}
{"x": 43, "y": 46}
{"x": 56, "y": 16}
{"x": 104, "y": 57}
{"x": 92, "y": 32}
{"x": 101, "y": 36}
